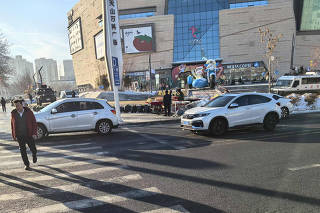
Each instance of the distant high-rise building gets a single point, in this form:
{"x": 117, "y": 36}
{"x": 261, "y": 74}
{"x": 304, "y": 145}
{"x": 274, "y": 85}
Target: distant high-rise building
{"x": 21, "y": 66}
{"x": 49, "y": 71}
{"x": 66, "y": 71}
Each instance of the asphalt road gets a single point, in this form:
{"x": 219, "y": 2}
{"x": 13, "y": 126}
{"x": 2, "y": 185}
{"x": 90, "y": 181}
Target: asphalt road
{"x": 161, "y": 168}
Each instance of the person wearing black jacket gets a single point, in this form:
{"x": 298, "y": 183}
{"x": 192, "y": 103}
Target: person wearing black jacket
{"x": 3, "y": 103}
{"x": 167, "y": 103}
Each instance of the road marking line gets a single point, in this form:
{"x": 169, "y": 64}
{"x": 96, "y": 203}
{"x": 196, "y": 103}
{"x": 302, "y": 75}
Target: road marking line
{"x": 64, "y": 165}
{"x": 86, "y": 155}
{"x": 59, "y": 175}
{"x": 70, "y": 187}
{"x": 304, "y": 167}
{"x": 43, "y": 147}
{"x": 46, "y": 152}
{"x": 163, "y": 142}
{"x": 96, "y": 201}
{"x": 172, "y": 209}
{"x": 179, "y": 147}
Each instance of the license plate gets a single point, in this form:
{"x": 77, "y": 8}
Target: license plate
{"x": 186, "y": 123}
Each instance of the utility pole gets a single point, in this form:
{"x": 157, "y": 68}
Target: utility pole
{"x": 150, "y": 72}
{"x": 270, "y": 40}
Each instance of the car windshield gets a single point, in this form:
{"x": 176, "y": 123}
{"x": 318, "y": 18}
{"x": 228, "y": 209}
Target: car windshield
{"x": 219, "y": 101}
{"x": 283, "y": 83}
{"x": 68, "y": 93}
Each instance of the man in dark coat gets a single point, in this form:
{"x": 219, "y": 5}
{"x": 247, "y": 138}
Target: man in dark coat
{"x": 24, "y": 130}
{"x": 167, "y": 103}
{"x": 3, "y": 104}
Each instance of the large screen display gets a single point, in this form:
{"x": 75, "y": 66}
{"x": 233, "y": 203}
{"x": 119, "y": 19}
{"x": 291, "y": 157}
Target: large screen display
{"x": 310, "y": 19}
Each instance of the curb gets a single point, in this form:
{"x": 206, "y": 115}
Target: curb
{"x": 150, "y": 123}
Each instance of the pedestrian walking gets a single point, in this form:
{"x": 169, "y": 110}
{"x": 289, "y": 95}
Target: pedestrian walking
{"x": 73, "y": 94}
{"x": 167, "y": 103}
{"x": 3, "y": 104}
{"x": 30, "y": 98}
{"x": 24, "y": 130}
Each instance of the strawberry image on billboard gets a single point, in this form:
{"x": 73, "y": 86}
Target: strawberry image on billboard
{"x": 138, "y": 39}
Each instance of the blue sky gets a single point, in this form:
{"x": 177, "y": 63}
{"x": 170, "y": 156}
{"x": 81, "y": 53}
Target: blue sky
{"x": 36, "y": 28}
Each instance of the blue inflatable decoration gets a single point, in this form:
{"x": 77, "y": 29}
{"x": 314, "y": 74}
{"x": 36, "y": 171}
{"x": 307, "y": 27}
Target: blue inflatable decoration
{"x": 189, "y": 79}
{"x": 200, "y": 83}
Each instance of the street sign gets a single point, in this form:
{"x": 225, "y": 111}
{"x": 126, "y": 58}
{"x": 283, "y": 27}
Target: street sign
{"x": 116, "y": 75}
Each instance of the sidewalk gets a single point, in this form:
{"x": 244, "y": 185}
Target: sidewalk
{"x": 146, "y": 119}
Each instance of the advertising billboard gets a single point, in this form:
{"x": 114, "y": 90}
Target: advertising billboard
{"x": 138, "y": 39}
{"x": 75, "y": 36}
{"x": 99, "y": 45}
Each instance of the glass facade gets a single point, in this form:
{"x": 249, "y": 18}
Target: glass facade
{"x": 247, "y": 4}
{"x": 196, "y": 28}
{"x": 136, "y": 15}
{"x": 310, "y": 19}
{"x": 196, "y": 33}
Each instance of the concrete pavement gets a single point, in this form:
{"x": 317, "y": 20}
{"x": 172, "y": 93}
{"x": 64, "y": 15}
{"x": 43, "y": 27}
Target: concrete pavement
{"x": 160, "y": 168}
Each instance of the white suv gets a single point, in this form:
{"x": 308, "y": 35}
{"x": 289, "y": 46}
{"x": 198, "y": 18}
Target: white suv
{"x": 233, "y": 110}
{"x": 76, "y": 114}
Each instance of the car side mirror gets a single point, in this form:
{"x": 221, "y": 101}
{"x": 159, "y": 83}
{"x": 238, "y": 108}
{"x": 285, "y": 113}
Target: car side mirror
{"x": 54, "y": 111}
{"x": 233, "y": 105}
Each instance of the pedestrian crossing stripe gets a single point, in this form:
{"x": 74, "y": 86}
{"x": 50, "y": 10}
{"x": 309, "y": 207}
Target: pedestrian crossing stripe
{"x": 47, "y": 152}
{"x": 96, "y": 201}
{"x": 70, "y": 187}
{"x": 40, "y": 147}
{"x": 64, "y": 165}
{"x": 47, "y": 160}
{"x": 55, "y": 176}
{"x": 172, "y": 209}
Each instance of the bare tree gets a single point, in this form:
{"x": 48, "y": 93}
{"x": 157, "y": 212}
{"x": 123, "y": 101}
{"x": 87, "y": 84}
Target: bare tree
{"x": 22, "y": 84}
{"x": 270, "y": 40}
{"x": 5, "y": 68}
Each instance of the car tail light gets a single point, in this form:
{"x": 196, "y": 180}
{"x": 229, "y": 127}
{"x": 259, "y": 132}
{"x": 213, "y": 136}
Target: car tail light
{"x": 113, "y": 111}
{"x": 278, "y": 104}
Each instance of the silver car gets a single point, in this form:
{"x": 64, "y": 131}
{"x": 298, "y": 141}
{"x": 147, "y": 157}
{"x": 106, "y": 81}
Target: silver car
{"x": 76, "y": 114}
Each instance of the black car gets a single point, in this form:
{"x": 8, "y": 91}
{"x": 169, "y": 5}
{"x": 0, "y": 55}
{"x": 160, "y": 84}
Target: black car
{"x": 45, "y": 95}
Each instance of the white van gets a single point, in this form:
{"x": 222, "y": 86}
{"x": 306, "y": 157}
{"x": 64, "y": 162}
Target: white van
{"x": 297, "y": 84}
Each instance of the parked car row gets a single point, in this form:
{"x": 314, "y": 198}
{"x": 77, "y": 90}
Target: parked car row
{"x": 216, "y": 116}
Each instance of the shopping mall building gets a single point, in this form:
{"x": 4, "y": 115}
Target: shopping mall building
{"x": 158, "y": 36}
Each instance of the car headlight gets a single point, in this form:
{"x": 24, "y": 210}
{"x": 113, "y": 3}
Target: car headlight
{"x": 201, "y": 115}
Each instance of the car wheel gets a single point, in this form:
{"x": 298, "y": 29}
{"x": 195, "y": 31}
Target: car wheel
{"x": 41, "y": 132}
{"x": 270, "y": 121}
{"x": 218, "y": 127}
{"x": 104, "y": 127}
{"x": 284, "y": 112}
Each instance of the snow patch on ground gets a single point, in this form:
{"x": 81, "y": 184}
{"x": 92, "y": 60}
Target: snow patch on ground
{"x": 302, "y": 106}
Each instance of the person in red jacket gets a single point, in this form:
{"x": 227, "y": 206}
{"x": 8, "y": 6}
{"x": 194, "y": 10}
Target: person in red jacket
{"x": 24, "y": 130}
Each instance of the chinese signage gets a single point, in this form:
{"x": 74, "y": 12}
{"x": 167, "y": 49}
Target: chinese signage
{"x": 116, "y": 76}
{"x": 138, "y": 39}
{"x": 75, "y": 37}
{"x": 310, "y": 19}
{"x": 113, "y": 41}
{"x": 99, "y": 45}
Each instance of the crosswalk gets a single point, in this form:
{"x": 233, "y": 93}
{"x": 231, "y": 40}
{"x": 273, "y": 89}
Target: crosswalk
{"x": 77, "y": 177}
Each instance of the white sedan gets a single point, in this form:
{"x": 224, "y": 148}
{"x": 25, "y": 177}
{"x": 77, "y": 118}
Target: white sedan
{"x": 233, "y": 110}
{"x": 76, "y": 114}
